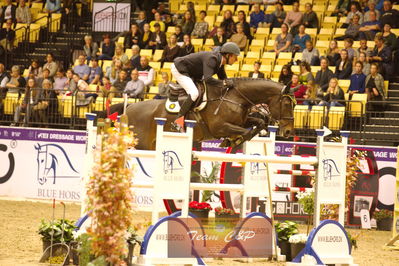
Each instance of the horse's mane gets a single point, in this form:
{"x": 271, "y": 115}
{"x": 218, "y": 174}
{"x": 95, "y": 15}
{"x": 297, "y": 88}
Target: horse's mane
{"x": 247, "y": 79}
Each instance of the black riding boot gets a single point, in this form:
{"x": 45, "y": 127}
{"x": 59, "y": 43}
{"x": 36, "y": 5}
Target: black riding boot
{"x": 178, "y": 124}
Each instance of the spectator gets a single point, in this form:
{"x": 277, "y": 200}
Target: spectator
{"x": 70, "y": 85}
{"x": 187, "y": 48}
{"x": 60, "y": 81}
{"x": 333, "y": 53}
{"x": 187, "y": 23}
{"x": 47, "y": 103}
{"x": 163, "y": 87}
{"x": 190, "y": 8}
{"x": 90, "y": 48}
{"x": 389, "y": 37}
{"x": 119, "y": 85}
{"x": 382, "y": 55}
{"x": 370, "y": 28}
{"x": 51, "y": 65}
{"x": 374, "y": 86}
{"x": 8, "y": 12}
{"x": 7, "y": 36}
{"x": 157, "y": 20}
{"x": 83, "y": 95}
{"x": 95, "y": 72}
{"x": 300, "y": 39}
{"x": 158, "y": 39}
{"x": 82, "y": 69}
{"x": 256, "y": 73}
{"x": 35, "y": 70}
{"x": 342, "y": 8}
{"x": 201, "y": 26}
{"x": 145, "y": 37}
{"x": 242, "y": 19}
{"x": 311, "y": 55}
{"x": 16, "y": 82}
{"x": 22, "y": 13}
{"x": 357, "y": 79}
{"x": 310, "y": 19}
{"x": 4, "y": 79}
{"x": 305, "y": 74}
{"x": 353, "y": 29}
{"x": 135, "y": 59}
{"x": 146, "y": 72}
{"x": 219, "y": 38}
{"x": 310, "y": 94}
{"x": 52, "y": 6}
{"x": 119, "y": 54}
{"x": 107, "y": 48}
{"x": 141, "y": 20}
{"x": 256, "y": 17}
{"x": 106, "y": 87}
{"x": 323, "y": 76}
{"x": 228, "y": 24}
{"x": 389, "y": 15}
{"x": 348, "y": 43}
{"x": 334, "y": 94}
{"x": 149, "y": 6}
{"x": 343, "y": 68}
{"x": 239, "y": 38}
{"x": 366, "y": 65}
{"x": 45, "y": 75}
{"x": 179, "y": 33}
{"x": 285, "y": 75}
{"x": 294, "y": 18}
{"x": 279, "y": 15}
{"x": 371, "y": 7}
{"x": 353, "y": 11}
{"x": 171, "y": 51}
{"x": 363, "y": 47}
{"x": 132, "y": 37}
{"x": 32, "y": 96}
{"x": 135, "y": 87}
{"x": 113, "y": 71}
{"x": 283, "y": 41}
{"x": 297, "y": 88}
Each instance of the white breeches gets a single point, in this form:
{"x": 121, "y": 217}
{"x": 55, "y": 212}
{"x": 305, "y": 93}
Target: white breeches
{"x": 186, "y": 82}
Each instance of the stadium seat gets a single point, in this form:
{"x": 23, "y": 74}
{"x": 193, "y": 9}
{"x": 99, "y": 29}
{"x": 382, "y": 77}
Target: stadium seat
{"x": 357, "y": 106}
{"x": 298, "y": 56}
{"x": 251, "y": 57}
{"x": 325, "y": 34}
{"x": 157, "y": 55}
{"x": 336, "y": 117}
{"x": 344, "y": 84}
{"x": 155, "y": 65}
{"x": 316, "y": 117}
{"x": 129, "y": 53}
{"x": 339, "y": 32}
{"x": 106, "y": 64}
{"x": 232, "y": 70}
{"x": 244, "y": 8}
{"x": 197, "y": 43}
{"x": 276, "y": 71}
{"x": 284, "y": 58}
{"x": 270, "y": 45}
{"x": 10, "y": 103}
{"x": 257, "y": 45}
{"x": 312, "y": 32}
{"x": 268, "y": 58}
{"x": 209, "y": 44}
{"x": 266, "y": 69}
{"x": 261, "y": 33}
{"x": 210, "y": 19}
{"x": 146, "y": 52}
{"x": 329, "y": 22}
{"x": 301, "y": 113}
{"x": 245, "y": 69}
{"x": 227, "y": 7}
{"x": 275, "y": 32}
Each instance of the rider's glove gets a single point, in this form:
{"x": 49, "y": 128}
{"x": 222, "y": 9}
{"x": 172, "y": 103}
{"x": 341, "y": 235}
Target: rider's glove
{"x": 228, "y": 83}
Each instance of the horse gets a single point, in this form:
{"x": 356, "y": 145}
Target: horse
{"x": 225, "y": 116}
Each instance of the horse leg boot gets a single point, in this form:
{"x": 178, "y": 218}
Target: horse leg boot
{"x": 178, "y": 124}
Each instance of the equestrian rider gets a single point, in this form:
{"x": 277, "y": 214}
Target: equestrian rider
{"x": 202, "y": 65}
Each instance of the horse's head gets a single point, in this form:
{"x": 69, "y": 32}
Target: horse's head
{"x": 41, "y": 159}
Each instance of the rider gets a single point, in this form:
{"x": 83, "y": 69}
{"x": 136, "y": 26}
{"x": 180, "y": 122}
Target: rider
{"x": 202, "y": 65}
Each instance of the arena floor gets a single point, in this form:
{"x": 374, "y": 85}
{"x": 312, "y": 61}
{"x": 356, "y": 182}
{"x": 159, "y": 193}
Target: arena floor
{"x": 21, "y": 245}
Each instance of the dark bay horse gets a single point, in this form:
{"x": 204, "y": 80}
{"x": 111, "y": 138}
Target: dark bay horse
{"x": 225, "y": 115}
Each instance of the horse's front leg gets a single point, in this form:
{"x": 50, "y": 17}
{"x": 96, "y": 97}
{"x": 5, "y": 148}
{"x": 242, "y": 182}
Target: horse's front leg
{"x": 252, "y": 122}
{"x": 234, "y": 134}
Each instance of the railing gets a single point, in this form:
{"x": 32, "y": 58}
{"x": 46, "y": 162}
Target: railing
{"x": 100, "y": 24}
{"x": 106, "y": 19}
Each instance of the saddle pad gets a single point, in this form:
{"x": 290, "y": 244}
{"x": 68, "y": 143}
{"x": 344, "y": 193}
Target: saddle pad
{"x": 172, "y": 106}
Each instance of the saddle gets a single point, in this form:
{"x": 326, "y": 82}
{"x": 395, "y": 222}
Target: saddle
{"x": 177, "y": 95}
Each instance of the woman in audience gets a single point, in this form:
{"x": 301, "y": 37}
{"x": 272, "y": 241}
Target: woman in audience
{"x": 219, "y": 38}
{"x": 32, "y": 97}
{"x": 310, "y": 94}
{"x": 310, "y": 19}
{"x": 187, "y": 23}
{"x": 389, "y": 37}
{"x": 120, "y": 54}
{"x": 297, "y": 88}
{"x": 70, "y": 85}
{"x": 145, "y": 37}
{"x": 51, "y": 65}
{"x": 343, "y": 68}
{"x": 179, "y": 33}
{"x": 279, "y": 15}
{"x": 333, "y": 54}
{"x": 201, "y": 26}
{"x": 242, "y": 19}
{"x": 283, "y": 40}
{"x": 187, "y": 48}
{"x": 35, "y": 70}
{"x": 358, "y": 79}
{"x": 239, "y": 38}
{"x": 305, "y": 73}
{"x": 171, "y": 51}
{"x": 300, "y": 39}
{"x": 285, "y": 75}
{"x": 366, "y": 65}
{"x": 157, "y": 19}
{"x": 47, "y": 104}
{"x": 334, "y": 94}
{"x": 106, "y": 88}
{"x": 16, "y": 82}
{"x": 132, "y": 37}
{"x": 163, "y": 87}
{"x": 112, "y": 72}
{"x": 382, "y": 55}
{"x": 375, "y": 85}
{"x": 323, "y": 76}
{"x": 107, "y": 48}
{"x": 90, "y": 48}
{"x": 228, "y": 24}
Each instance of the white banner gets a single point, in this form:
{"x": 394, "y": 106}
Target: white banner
{"x": 104, "y": 13}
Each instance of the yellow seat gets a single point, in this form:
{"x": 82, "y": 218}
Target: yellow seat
{"x": 34, "y": 32}
{"x": 336, "y": 117}
{"x": 197, "y": 43}
{"x": 329, "y": 22}
{"x": 298, "y": 56}
{"x": 121, "y": 40}
{"x": 209, "y": 44}
{"x": 295, "y": 69}
{"x": 157, "y": 55}
{"x": 344, "y": 84}
{"x": 244, "y": 8}
{"x": 227, "y": 7}
{"x": 275, "y": 32}
{"x": 262, "y": 33}
{"x": 268, "y": 58}
{"x": 314, "y": 69}
{"x": 283, "y": 58}
{"x": 257, "y": 45}
{"x": 155, "y": 65}
{"x": 67, "y": 106}
{"x": 276, "y": 71}
{"x": 210, "y": 20}
{"x": 174, "y": 6}
{"x": 245, "y": 69}
{"x": 251, "y": 57}
{"x": 146, "y": 52}
{"x": 106, "y": 64}
{"x": 339, "y": 32}
{"x": 301, "y": 114}
{"x": 357, "y": 106}
{"x": 312, "y": 32}
{"x": 341, "y": 21}
{"x": 386, "y": 86}
{"x": 232, "y": 70}
{"x": 10, "y": 103}
{"x": 316, "y": 117}
{"x": 266, "y": 69}
{"x": 129, "y": 53}
{"x": 99, "y": 105}
{"x": 270, "y": 45}
{"x": 325, "y": 34}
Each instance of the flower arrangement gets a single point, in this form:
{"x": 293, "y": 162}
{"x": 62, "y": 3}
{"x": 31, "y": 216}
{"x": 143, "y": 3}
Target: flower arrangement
{"x": 199, "y": 206}
{"x": 382, "y": 214}
{"x": 286, "y": 229}
{"x": 224, "y": 211}
{"x": 298, "y": 238}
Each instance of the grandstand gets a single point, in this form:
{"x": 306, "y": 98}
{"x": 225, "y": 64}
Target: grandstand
{"x": 63, "y": 35}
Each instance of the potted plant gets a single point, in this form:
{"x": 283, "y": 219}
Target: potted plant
{"x": 384, "y": 219}
{"x": 47, "y": 228}
{"x": 297, "y": 242}
{"x": 284, "y": 231}
{"x": 352, "y": 240}
{"x": 199, "y": 209}
{"x": 132, "y": 238}
{"x": 221, "y": 212}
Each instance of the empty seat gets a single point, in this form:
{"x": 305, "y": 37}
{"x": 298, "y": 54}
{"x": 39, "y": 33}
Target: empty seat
{"x": 316, "y": 117}
{"x": 336, "y": 117}
{"x": 301, "y": 113}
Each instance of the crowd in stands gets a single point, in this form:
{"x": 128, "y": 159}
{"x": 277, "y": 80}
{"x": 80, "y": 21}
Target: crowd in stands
{"x": 117, "y": 66}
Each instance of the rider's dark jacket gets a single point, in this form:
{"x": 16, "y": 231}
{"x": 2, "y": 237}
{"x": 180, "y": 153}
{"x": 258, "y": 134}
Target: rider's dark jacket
{"x": 202, "y": 65}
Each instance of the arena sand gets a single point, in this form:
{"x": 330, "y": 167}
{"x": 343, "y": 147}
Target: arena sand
{"x": 21, "y": 245}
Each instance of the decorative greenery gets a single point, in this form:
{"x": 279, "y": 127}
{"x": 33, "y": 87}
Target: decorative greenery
{"x": 84, "y": 249}
{"x": 353, "y": 239}
{"x": 199, "y": 206}
{"x": 298, "y": 238}
{"x": 382, "y": 214}
{"x": 224, "y": 211}
{"x": 306, "y": 199}
{"x": 286, "y": 229}
{"x": 110, "y": 196}
{"x": 133, "y": 238}
{"x": 211, "y": 178}
{"x": 47, "y": 228}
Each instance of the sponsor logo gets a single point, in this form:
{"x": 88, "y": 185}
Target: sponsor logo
{"x": 330, "y": 169}
{"x": 11, "y": 164}
{"x": 171, "y": 162}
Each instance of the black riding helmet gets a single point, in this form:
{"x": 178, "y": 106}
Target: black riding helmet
{"x": 228, "y": 49}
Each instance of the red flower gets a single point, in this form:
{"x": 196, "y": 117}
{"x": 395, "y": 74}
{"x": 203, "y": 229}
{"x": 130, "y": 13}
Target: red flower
{"x": 199, "y": 205}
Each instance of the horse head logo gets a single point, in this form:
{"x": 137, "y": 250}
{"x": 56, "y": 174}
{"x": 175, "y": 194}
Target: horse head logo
{"x": 48, "y": 156}
{"x": 330, "y": 169}
{"x": 256, "y": 168}
{"x": 171, "y": 162}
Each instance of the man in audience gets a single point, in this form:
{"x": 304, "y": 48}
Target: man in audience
{"x": 146, "y": 72}
{"x": 158, "y": 38}
{"x": 256, "y": 73}
{"x": 4, "y": 78}
{"x": 135, "y": 59}
{"x": 324, "y": 75}
{"x": 82, "y": 69}
{"x": 16, "y": 81}
{"x": 310, "y": 19}
{"x": 135, "y": 87}
{"x": 371, "y": 6}
{"x": 8, "y": 12}
{"x": 348, "y": 43}
{"x": 310, "y": 54}
{"x": 7, "y": 36}
{"x": 256, "y": 17}
{"x": 157, "y": 20}
{"x": 51, "y": 65}
{"x": 95, "y": 72}
{"x": 349, "y": 17}
{"x": 294, "y": 18}
{"x": 370, "y": 28}
{"x": 389, "y": 15}
{"x": 119, "y": 85}
{"x": 45, "y": 75}
{"x": 23, "y": 14}
{"x": 107, "y": 48}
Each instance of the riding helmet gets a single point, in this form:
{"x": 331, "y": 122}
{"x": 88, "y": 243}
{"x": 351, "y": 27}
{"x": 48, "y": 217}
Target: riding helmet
{"x": 230, "y": 48}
